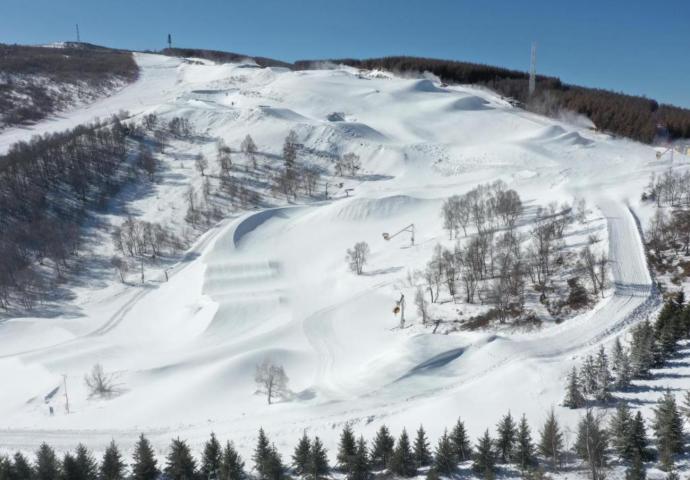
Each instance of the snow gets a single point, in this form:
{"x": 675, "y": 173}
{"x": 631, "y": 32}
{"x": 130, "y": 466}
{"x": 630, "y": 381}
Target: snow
{"x": 273, "y": 283}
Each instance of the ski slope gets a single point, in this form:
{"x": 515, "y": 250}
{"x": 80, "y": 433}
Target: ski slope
{"x": 273, "y": 283}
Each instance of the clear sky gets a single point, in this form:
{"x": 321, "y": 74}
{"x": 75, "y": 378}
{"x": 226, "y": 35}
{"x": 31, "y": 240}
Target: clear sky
{"x": 633, "y": 46}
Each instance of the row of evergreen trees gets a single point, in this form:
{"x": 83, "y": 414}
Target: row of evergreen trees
{"x": 651, "y": 345}
{"x": 358, "y": 460}
{"x": 625, "y": 437}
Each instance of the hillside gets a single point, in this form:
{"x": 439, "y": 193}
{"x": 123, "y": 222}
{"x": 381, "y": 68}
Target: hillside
{"x": 222, "y": 56}
{"x": 36, "y": 82}
{"x": 252, "y": 270}
{"x": 629, "y": 116}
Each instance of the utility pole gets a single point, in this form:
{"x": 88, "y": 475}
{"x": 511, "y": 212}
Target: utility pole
{"x": 64, "y": 382}
{"x": 533, "y": 70}
{"x": 78, "y": 37}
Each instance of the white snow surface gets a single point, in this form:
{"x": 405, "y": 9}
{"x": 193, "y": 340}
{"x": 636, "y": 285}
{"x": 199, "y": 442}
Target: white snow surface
{"x": 274, "y": 284}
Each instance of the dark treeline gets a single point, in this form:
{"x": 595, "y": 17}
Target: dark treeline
{"x": 512, "y": 448}
{"x": 24, "y": 69}
{"x": 222, "y": 57}
{"x": 626, "y": 115}
{"x": 47, "y": 187}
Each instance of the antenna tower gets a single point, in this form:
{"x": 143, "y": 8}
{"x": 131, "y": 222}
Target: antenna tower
{"x": 533, "y": 70}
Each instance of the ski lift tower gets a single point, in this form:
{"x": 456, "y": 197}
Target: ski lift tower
{"x": 409, "y": 228}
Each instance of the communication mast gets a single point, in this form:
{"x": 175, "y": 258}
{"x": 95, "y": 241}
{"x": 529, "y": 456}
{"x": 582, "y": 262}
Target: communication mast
{"x": 64, "y": 381}
{"x": 533, "y": 70}
{"x": 78, "y": 37}
{"x": 169, "y": 41}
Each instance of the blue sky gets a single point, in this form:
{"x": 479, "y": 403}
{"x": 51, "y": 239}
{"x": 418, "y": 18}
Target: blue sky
{"x": 634, "y": 46}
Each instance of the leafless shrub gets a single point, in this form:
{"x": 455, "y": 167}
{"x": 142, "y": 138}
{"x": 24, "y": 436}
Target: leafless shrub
{"x": 99, "y": 383}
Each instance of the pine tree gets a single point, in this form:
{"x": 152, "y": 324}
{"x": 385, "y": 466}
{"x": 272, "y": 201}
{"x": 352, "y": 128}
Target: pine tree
{"x": 20, "y": 468}
{"x": 551, "y": 439}
{"x": 505, "y": 443}
{"x": 641, "y": 349}
{"x": 603, "y": 377}
{"x": 445, "y": 457}
{"x": 302, "y": 454}
{"x": 360, "y": 466}
{"x": 112, "y": 466}
{"x": 232, "y": 466}
{"x": 347, "y": 449}
{"x": 639, "y": 443}
{"x": 5, "y": 468}
{"x": 211, "y": 459}
{"x": 620, "y": 427}
{"x": 591, "y": 443}
{"x": 484, "y": 459}
{"x": 668, "y": 429}
{"x": 273, "y": 468}
{"x": 573, "y": 396}
{"x": 382, "y": 449}
{"x": 636, "y": 470}
{"x": 403, "y": 460}
{"x": 318, "y": 467}
{"x": 422, "y": 454}
{"x": 617, "y": 353}
{"x": 86, "y": 464}
{"x": 47, "y": 465}
{"x": 262, "y": 454}
{"x": 180, "y": 465}
{"x": 623, "y": 373}
{"x": 621, "y": 366}
{"x": 524, "y": 448}
{"x": 70, "y": 469}
{"x": 145, "y": 466}
{"x": 588, "y": 376}
{"x": 461, "y": 442}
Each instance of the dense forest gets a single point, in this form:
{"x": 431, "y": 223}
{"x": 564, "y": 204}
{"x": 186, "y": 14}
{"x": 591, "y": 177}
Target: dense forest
{"x": 625, "y": 115}
{"x": 47, "y": 187}
{"x": 74, "y": 71}
{"x": 222, "y": 57}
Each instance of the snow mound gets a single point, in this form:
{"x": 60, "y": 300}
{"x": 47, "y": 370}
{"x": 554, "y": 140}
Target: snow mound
{"x": 470, "y": 103}
{"x": 378, "y": 208}
{"x": 280, "y": 114}
{"x": 573, "y": 138}
{"x": 359, "y": 130}
{"x": 425, "y": 86}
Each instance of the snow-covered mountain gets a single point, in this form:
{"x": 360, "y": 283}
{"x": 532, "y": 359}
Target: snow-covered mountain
{"x": 273, "y": 283}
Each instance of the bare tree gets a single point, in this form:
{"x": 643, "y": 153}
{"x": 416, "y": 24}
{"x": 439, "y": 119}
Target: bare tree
{"x": 422, "y": 305}
{"x": 146, "y": 161}
{"x": 119, "y": 264}
{"x": 352, "y": 163}
{"x": 200, "y": 163}
{"x": 150, "y": 121}
{"x": 290, "y": 150}
{"x": 508, "y": 207}
{"x": 224, "y": 160}
{"x": 449, "y": 212}
{"x": 310, "y": 180}
{"x": 357, "y": 257}
{"x": 249, "y": 148}
{"x": 98, "y": 382}
{"x": 271, "y": 380}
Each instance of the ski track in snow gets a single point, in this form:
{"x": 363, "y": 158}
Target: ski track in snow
{"x": 273, "y": 283}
